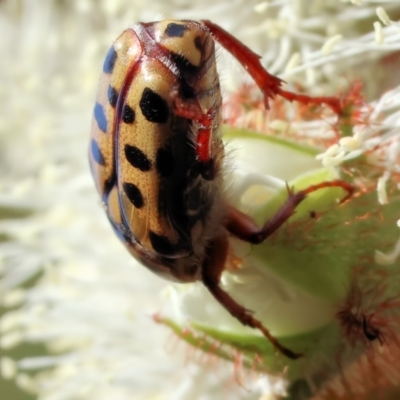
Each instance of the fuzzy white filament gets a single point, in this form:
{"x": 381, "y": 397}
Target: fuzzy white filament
{"x": 88, "y": 299}
{"x": 381, "y": 13}
{"x": 379, "y": 38}
{"x": 331, "y": 43}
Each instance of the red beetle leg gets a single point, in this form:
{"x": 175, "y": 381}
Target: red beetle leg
{"x": 243, "y": 227}
{"x": 211, "y": 273}
{"x": 269, "y": 84}
{"x": 190, "y": 109}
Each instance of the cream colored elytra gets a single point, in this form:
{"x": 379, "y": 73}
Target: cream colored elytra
{"x": 155, "y": 192}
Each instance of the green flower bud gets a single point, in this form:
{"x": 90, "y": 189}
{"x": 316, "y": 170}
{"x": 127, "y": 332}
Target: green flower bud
{"x": 310, "y": 282}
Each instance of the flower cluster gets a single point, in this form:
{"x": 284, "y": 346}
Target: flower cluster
{"x": 79, "y": 316}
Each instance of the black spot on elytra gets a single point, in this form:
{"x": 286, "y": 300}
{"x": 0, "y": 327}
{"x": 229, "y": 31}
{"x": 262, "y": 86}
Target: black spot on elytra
{"x": 137, "y": 158}
{"x": 175, "y": 30}
{"x": 96, "y": 153}
{"x": 109, "y": 62}
{"x": 133, "y": 193}
{"x": 161, "y": 244}
{"x": 128, "y": 114}
{"x": 164, "y": 162}
{"x": 100, "y": 117}
{"x": 183, "y": 64}
{"x": 112, "y": 96}
{"x": 154, "y": 108}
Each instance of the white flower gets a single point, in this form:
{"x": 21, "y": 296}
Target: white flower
{"x": 86, "y": 300}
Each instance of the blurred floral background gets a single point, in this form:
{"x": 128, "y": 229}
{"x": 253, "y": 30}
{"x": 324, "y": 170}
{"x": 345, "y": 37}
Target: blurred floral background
{"x": 76, "y": 310}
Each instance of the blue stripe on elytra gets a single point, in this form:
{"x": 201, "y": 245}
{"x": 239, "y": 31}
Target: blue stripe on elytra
{"x": 109, "y": 62}
{"x": 96, "y": 153}
{"x": 100, "y": 117}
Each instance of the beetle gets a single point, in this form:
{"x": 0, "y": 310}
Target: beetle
{"x": 156, "y": 153}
